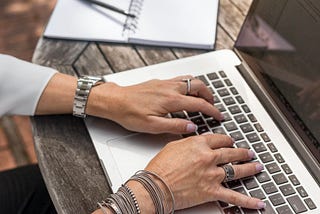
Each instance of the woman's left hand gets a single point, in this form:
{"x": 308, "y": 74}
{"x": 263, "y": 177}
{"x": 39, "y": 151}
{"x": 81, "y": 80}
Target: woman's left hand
{"x": 144, "y": 107}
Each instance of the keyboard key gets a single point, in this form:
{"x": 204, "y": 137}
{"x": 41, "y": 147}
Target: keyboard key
{"x": 279, "y": 158}
{"x": 220, "y": 107}
{"x": 226, "y": 116}
{"x": 218, "y": 84}
{"x": 310, "y": 203}
{"x": 296, "y": 204}
{"x": 243, "y": 144}
{"x": 280, "y": 178}
{"x": 287, "y": 189}
{"x": 229, "y": 101}
{"x": 257, "y": 194}
{"x": 213, "y": 76}
{"x": 263, "y": 177}
{"x": 272, "y": 147}
{"x": 253, "y": 137}
{"x": 266, "y": 157}
{"x": 277, "y": 199}
{"x": 223, "y": 204}
{"x": 206, "y": 116}
{"x": 223, "y": 92}
{"x": 239, "y": 99}
{"x": 268, "y": 209}
{"x": 252, "y": 118}
{"x": 234, "y": 109}
{"x": 218, "y": 130}
{"x": 203, "y": 79}
{"x": 216, "y": 99}
{"x": 202, "y": 129}
{"x": 269, "y": 188}
{"x": 259, "y": 147}
{"x": 198, "y": 121}
{"x": 284, "y": 210}
{"x": 179, "y": 114}
{"x": 249, "y": 211}
{"x": 236, "y": 136}
{"x": 302, "y": 191}
{"x": 286, "y": 169}
{"x": 222, "y": 74}
{"x": 232, "y": 210}
{"x": 240, "y": 118}
{"x": 246, "y": 128}
{"x": 245, "y": 108}
{"x": 213, "y": 123}
{"x": 250, "y": 183}
{"x": 273, "y": 168}
{"x": 294, "y": 180}
{"x": 233, "y": 90}
{"x": 231, "y": 126}
{"x": 193, "y": 114}
{"x": 265, "y": 137}
{"x": 234, "y": 183}
{"x": 228, "y": 82}
{"x": 258, "y": 127}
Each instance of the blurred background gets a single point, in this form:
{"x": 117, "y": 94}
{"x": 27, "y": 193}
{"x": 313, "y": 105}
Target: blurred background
{"x": 21, "y": 24}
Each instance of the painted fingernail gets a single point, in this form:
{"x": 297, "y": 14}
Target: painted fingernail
{"x": 191, "y": 127}
{"x": 259, "y": 167}
{"x": 261, "y": 205}
{"x": 251, "y": 154}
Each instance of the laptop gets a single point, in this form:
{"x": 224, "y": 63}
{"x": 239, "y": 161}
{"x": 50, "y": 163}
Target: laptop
{"x": 268, "y": 88}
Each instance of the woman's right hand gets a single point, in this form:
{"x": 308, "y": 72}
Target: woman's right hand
{"x": 192, "y": 169}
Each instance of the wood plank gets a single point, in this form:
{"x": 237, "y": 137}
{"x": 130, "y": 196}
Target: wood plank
{"x": 69, "y": 163}
{"x": 230, "y": 18}
{"x": 154, "y": 55}
{"x": 243, "y": 5}
{"x": 224, "y": 41}
{"x": 184, "y": 52}
{"x": 121, "y": 57}
{"x": 86, "y": 66}
{"x": 50, "y": 52}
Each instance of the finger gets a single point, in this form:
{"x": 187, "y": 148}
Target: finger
{"x": 228, "y": 155}
{"x": 199, "y": 89}
{"x": 181, "y": 78}
{"x": 216, "y": 141}
{"x": 247, "y": 169}
{"x": 196, "y": 104}
{"x": 236, "y": 198}
{"x": 173, "y": 125}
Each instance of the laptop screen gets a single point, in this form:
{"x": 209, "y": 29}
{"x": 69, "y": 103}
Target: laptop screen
{"x": 282, "y": 39}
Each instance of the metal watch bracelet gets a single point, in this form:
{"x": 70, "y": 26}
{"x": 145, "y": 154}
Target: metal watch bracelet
{"x": 84, "y": 85}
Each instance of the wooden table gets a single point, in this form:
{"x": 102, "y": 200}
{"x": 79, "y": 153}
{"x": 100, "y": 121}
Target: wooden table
{"x": 66, "y": 155}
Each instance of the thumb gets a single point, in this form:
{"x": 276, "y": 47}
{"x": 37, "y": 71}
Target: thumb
{"x": 174, "y": 125}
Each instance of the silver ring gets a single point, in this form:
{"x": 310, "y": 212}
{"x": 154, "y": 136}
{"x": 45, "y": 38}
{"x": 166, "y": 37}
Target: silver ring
{"x": 188, "y": 81}
{"x": 228, "y": 169}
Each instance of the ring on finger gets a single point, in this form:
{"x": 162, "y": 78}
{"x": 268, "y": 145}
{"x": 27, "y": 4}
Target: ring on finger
{"x": 188, "y": 81}
{"x": 229, "y": 172}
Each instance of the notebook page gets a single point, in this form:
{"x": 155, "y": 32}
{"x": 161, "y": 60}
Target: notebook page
{"x": 182, "y": 23}
{"x": 77, "y": 19}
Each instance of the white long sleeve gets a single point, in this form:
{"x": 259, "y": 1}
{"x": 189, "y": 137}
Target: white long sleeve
{"x": 21, "y": 85}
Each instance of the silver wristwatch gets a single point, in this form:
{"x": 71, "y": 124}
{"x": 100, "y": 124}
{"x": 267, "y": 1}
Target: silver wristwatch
{"x": 84, "y": 85}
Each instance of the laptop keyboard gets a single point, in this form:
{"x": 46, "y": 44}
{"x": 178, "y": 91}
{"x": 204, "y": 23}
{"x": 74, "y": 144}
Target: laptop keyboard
{"x": 277, "y": 185}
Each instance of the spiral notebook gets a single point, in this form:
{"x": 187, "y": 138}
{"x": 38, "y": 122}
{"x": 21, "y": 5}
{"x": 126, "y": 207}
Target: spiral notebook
{"x": 173, "y": 23}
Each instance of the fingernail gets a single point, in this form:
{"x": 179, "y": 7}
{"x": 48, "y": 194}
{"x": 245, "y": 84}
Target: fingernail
{"x": 259, "y": 167}
{"x": 221, "y": 117}
{"x": 261, "y": 205}
{"x": 251, "y": 154}
{"x": 233, "y": 141}
{"x": 191, "y": 127}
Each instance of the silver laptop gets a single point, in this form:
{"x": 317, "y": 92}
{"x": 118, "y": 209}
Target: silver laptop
{"x": 268, "y": 90}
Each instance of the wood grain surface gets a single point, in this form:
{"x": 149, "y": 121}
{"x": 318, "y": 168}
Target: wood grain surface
{"x": 66, "y": 155}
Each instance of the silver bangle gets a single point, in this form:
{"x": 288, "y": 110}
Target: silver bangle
{"x": 84, "y": 85}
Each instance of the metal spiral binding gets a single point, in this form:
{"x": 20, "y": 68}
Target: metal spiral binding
{"x": 131, "y": 24}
